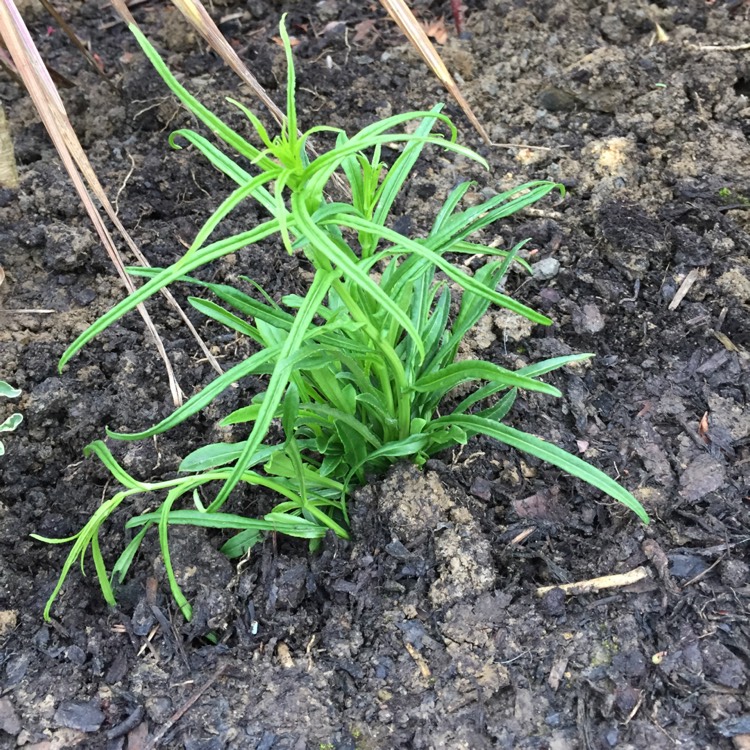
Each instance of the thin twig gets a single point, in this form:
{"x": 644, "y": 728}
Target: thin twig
{"x": 721, "y": 47}
{"x": 597, "y": 584}
{"x": 155, "y": 741}
{"x": 27, "y": 311}
{"x": 124, "y": 183}
{"x": 703, "y": 573}
{"x": 685, "y": 287}
{"x": 69, "y": 31}
{"x": 520, "y": 145}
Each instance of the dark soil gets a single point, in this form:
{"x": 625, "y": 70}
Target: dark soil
{"x": 425, "y": 631}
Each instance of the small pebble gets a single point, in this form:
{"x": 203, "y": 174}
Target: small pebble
{"x": 9, "y": 721}
{"x": 85, "y": 716}
{"x": 588, "y": 320}
{"x": 397, "y": 549}
{"x": 735, "y": 725}
{"x": 734, "y": 573}
{"x": 481, "y": 488}
{"x": 553, "y": 603}
{"x": 686, "y": 566}
{"x": 546, "y": 269}
{"x": 612, "y": 737}
{"x": 75, "y": 654}
{"x": 550, "y": 297}
{"x": 556, "y": 100}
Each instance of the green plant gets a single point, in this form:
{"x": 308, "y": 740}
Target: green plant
{"x": 362, "y": 368}
{"x": 728, "y": 196}
{"x": 10, "y": 424}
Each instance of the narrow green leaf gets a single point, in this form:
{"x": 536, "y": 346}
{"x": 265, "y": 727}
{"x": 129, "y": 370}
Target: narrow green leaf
{"x": 163, "y": 525}
{"x": 184, "y": 266}
{"x": 548, "y": 365}
{"x": 278, "y": 382}
{"x": 548, "y": 452}
{"x": 102, "y": 452}
{"x": 346, "y": 265}
{"x": 451, "y": 202}
{"x": 256, "y": 363}
{"x": 461, "y": 372}
{"x": 399, "y": 172}
{"x": 125, "y": 560}
{"x": 223, "y": 316}
{"x": 499, "y": 411}
{"x": 240, "y": 544}
{"x": 482, "y": 393}
{"x": 220, "y": 454}
{"x": 403, "y": 244}
{"x": 205, "y": 115}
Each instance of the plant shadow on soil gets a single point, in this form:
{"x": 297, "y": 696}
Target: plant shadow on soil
{"x": 424, "y": 631}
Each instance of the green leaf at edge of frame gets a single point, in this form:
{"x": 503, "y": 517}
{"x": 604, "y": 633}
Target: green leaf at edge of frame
{"x": 11, "y": 423}
{"x": 8, "y": 391}
{"x": 551, "y": 454}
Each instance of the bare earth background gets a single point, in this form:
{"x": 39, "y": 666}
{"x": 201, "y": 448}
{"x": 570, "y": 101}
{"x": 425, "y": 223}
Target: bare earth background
{"x": 425, "y": 631}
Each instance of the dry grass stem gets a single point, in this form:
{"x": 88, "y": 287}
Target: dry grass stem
{"x": 415, "y": 33}
{"x": 599, "y": 584}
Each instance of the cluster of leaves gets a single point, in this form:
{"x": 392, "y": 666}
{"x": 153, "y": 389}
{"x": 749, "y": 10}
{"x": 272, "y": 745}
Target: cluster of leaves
{"x": 358, "y": 369}
{"x": 9, "y": 424}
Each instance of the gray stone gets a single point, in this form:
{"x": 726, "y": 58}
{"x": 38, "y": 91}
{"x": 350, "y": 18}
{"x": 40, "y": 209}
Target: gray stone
{"x": 83, "y": 716}
{"x": 546, "y": 269}
{"x": 9, "y": 721}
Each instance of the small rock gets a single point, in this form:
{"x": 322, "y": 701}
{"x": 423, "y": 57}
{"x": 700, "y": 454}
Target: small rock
{"x": 328, "y": 10}
{"x": 734, "y": 573}
{"x": 75, "y": 654}
{"x": 84, "y": 716}
{"x": 685, "y": 566}
{"x": 612, "y": 737}
{"x": 143, "y": 618}
{"x": 722, "y": 666}
{"x": 159, "y": 708}
{"x": 15, "y": 670}
{"x": 588, "y": 319}
{"x": 553, "y": 603}
{"x": 546, "y": 269}
{"x": 9, "y": 721}
{"x": 704, "y": 474}
{"x": 397, "y": 549}
{"x": 557, "y": 100}
{"x": 549, "y": 297}
{"x": 737, "y": 725}
{"x": 481, "y": 488}
{"x": 8, "y": 621}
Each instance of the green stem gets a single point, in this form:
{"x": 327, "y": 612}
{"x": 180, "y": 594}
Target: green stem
{"x": 397, "y": 404}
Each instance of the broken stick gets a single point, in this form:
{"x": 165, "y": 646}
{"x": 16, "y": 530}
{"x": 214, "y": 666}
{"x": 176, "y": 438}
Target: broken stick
{"x": 598, "y": 584}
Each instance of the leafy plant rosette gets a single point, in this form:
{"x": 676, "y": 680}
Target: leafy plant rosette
{"x": 360, "y": 368}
